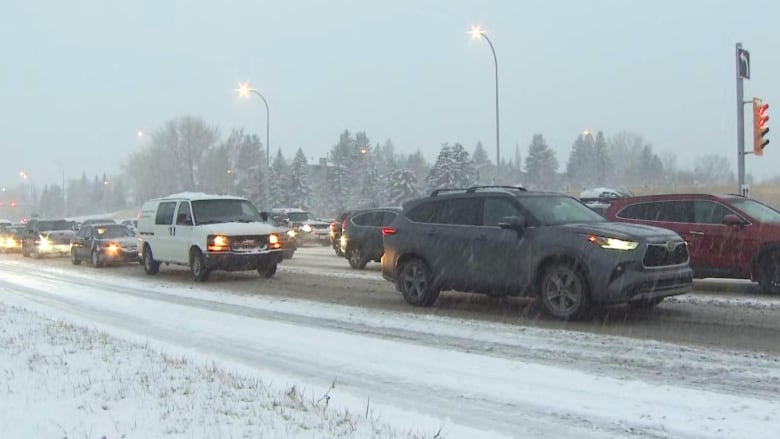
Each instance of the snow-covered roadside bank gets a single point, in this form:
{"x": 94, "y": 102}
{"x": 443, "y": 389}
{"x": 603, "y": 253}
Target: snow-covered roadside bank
{"x": 65, "y": 381}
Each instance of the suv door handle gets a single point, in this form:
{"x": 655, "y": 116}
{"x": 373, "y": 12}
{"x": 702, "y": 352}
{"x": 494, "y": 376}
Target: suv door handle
{"x": 696, "y": 232}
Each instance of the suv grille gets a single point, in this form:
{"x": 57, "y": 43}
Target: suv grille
{"x": 657, "y": 255}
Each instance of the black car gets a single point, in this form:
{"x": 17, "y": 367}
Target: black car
{"x": 361, "y": 238}
{"x": 508, "y": 241}
{"x": 104, "y": 244}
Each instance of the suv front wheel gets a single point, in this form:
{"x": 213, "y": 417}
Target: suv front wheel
{"x": 564, "y": 292}
{"x": 415, "y": 283}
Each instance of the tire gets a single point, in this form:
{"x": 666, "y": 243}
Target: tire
{"x": 415, "y": 281}
{"x": 645, "y": 304}
{"x": 564, "y": 292}
{"x": 769, "y": 272}
{"x": 356, "y": 258}
{"x": 25, "y": 253}
{"x": 150, "y": 265}
{"x": 97, "y": 260}
{"x": 267, "y": 270}
{"x": 198, "y": 267}
{"x": 73, "y": 259}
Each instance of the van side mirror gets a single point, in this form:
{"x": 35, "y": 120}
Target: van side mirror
{"x": 732, "y": 220}
{"x": 516, "y": 223}
{"x": 264, "y": 216}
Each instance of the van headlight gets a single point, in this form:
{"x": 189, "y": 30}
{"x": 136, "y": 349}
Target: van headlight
{"x": 612, "y": 243}
{"x": 306, "y": 228}
{"x": 217, "y": 243}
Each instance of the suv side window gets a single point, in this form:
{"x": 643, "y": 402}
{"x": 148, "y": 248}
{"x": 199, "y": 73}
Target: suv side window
{"x": 461, "y": 211}
{"x": 641, "y": 211}
{"x": 165, "y": 213}
{"x": 709, "y": 212}
{"x": 183, "y": 214}
{"x": 677, "y": 211}
{"x": 368, "y": 219}
{"x": 424, "y": 213}
{"x": 497, "y": 208}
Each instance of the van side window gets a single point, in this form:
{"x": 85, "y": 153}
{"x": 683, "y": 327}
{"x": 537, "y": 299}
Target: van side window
{"x": 183, "y": 215}
{"x": 165, "y": 213}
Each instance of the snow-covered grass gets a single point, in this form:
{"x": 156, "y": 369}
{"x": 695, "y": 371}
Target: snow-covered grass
{"x": 66, "y": 381}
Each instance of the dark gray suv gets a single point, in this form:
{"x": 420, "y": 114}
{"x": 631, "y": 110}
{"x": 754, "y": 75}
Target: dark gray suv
{"x": 506, "y": 241}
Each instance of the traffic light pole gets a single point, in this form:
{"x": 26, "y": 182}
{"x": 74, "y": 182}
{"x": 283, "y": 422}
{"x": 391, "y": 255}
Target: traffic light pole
{"x": 740, "y": 128}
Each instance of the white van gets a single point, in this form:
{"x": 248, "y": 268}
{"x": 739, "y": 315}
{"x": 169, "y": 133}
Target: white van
{"x": 206, "y": 232}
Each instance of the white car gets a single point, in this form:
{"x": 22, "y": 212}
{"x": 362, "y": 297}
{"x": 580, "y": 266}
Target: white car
{"x": 306, "y": 226}
{"x": 206, "y": 233}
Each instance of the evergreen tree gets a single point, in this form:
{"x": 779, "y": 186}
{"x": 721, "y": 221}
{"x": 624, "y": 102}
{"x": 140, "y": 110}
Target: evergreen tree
{"x": 400, "y": 185}
{"x": 602, "y": 161}
{"x": 277, "y": 196}
{"x": 541, "y": 166}
{"x": 369, "y": 187}
{"x": 298, "y": 184}
{"x": 342, "y": 157}
{"x": 480, "y": 155}
{"x": 416, "y": 163}
{"x": 464, "y": 172}
{"x": 442, "y": 172}
{"x": 581, "y": 166}
{"x": 250, "y": 170}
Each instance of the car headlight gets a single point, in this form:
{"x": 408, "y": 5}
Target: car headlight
{"x": 44, "y": 242}
{"x": 306, "y": 228}
{"x": 613, "y": 243}
{"x": 291, "y": 233}
{"x": 112, "y": 248}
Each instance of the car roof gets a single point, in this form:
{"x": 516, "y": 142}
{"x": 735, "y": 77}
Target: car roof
{"x": 197, "y": 196}
{"x": 681, "y": 196}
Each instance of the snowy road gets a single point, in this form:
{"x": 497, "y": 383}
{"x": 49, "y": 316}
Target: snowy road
{"x": 463, "y": 373}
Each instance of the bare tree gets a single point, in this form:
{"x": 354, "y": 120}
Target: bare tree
{"x": 713, "y": 169}
{"x": 187, "y": 139}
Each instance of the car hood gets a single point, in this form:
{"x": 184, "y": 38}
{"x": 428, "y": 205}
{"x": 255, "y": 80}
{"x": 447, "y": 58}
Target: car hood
{"x": 255, "y": 228}
{"x": 623, "y": 231}
{"x": 123, "y": 242}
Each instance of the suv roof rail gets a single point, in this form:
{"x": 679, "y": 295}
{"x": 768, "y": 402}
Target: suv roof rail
{"x": 472, "y": 189}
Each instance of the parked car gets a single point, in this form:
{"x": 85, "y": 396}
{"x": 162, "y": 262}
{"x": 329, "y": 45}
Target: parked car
{"x": 600, "y": 198}
{"x": 132, "y": 224}
{"x": 206, "y": 233}
{"x": 47, "y": 237}
{"x": 12, "y": 238}
{"x": 104, "y": 244}
{"x": 729, "y": 236}
{"x": 361, "y": 240}
{"x": 307, "y": 227}
{"x": 508, "y": 241}
{"x": 336, "y": 226}
{"x": 98, "y": 221}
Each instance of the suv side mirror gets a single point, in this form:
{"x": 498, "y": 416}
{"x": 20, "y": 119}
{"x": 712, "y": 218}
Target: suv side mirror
{"x": 732, "y": 220}
{"x": 516, "y": 223}
{"x": 264, "y": 216}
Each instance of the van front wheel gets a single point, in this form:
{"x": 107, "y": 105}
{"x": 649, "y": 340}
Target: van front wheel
{"x": 150, "y": 265}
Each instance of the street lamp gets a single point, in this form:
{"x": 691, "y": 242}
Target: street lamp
{"x": 140, "y": 133}
{"x": 243, "y": 91}
{"x": 476, "y": 33}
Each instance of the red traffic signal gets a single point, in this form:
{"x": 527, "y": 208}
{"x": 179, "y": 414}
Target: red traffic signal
{"x": 760, "y": 128}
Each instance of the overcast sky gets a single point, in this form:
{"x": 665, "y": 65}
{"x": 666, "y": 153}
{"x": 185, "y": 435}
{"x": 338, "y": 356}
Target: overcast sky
{"x": 79, "y": 78}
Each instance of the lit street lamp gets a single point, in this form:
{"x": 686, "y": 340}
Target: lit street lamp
{"x": 140, "y": 133}
{"x": 477, "y": 32}
{"x": 243, "y": 91}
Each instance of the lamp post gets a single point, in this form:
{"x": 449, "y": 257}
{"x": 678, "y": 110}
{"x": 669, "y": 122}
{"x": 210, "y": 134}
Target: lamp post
{"x": 243, "y": 91}
{"x": 477, "y": 32}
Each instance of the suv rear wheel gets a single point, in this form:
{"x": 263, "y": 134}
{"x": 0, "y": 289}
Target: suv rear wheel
{"x": 565, "y": 292}
{"x": 769, "y": 272}
{"x": 356, "y": 258}
{"x": 416, "y": 285}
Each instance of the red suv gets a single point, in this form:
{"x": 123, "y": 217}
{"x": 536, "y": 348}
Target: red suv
{"x": 729, "y": 236}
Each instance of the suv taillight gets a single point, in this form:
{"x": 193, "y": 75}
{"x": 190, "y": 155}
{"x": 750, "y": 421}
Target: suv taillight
{"x": 388, "y": 231}
{"x": 344, "y": 225}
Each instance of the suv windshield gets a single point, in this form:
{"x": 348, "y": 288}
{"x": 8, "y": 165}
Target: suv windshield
{"x": 553, "y": 209}
{"x": 757, "y": 210}
{"x": 112, "y": 232}
{"x": 300, "y": 216}
{"x": 44, "y": 226}
{"x": 224, "y": 211}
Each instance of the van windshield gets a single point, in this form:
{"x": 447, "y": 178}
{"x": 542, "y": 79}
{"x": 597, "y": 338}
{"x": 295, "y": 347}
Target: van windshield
{"x": 224, "y": 211}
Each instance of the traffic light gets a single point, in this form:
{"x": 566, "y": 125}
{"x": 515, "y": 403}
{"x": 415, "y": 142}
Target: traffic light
{"x": 760, "y": 128}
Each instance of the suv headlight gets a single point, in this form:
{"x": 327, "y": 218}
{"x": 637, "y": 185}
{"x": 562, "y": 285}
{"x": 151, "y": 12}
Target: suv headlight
{"x": 612, "y": 243}
{"x": 217, "y": 243}
{"x": 306, "y": 228}
{"x": 43, "y": 242}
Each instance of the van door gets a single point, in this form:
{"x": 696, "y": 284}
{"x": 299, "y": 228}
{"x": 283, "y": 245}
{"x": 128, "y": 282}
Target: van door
{"x": 163, "y": 243}
{"x": 182, "y": 233}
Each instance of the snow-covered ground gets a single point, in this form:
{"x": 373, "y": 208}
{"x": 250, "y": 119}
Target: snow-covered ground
{"x": 422, "y": 374}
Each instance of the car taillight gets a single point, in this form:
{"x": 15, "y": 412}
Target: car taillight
{"x": 344, "y": 224}
{"x": 388, "y": 231}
